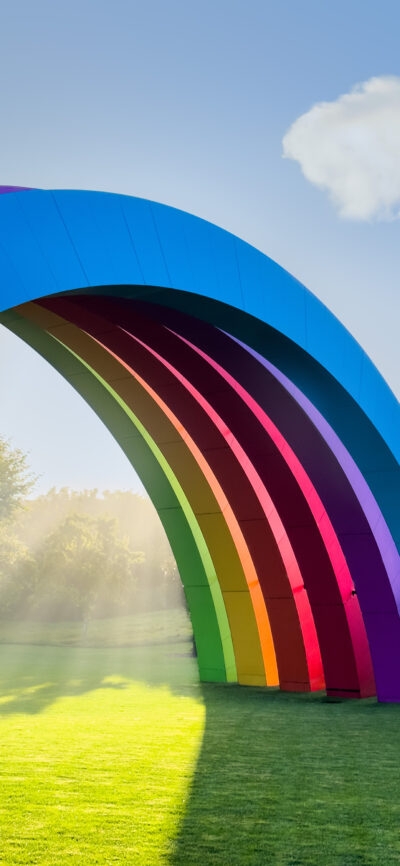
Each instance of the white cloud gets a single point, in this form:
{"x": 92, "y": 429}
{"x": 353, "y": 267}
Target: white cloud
{"x": 351, "y": 148}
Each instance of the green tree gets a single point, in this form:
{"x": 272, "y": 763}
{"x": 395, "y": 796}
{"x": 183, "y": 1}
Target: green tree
{"x": 17, "y": 571}
{"x": 158, "y": 585}
{"x": 84, "y": 564}
{"x": 31, "y": 587}
{"x": 16, "y": 480}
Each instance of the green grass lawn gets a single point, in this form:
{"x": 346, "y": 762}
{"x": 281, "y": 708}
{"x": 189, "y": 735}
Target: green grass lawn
{"x": 119, "y": 755}
{"x": 154, "y": 627}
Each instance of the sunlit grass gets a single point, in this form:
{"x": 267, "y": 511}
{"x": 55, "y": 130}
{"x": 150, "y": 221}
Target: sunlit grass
{"x": 120, "y": 756}
{"x": 97, "y": 751}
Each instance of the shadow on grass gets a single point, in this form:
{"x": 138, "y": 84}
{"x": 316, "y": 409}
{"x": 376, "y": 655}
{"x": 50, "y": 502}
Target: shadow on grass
{"x": 285, "y": 779}
{"x": 32, "y": 678}
{"x": 293, "y": 779}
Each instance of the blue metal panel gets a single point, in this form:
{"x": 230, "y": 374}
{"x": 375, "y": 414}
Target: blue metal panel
{"x": 43, "y": 217}
{"x": 103, "y": 238}
{"x": 145, "y": 240}
{"x": 100, "y": 236}
{"x": 325, "y": 335}
{"x": 29, "y": 260}
{"x": 271, "y": 294}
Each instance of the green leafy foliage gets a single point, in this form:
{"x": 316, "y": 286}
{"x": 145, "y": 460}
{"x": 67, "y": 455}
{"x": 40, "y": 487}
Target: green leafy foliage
{"x": 79, "y": 555}
{"x": 16, "y": 481}
{"x": 82, "y": 563}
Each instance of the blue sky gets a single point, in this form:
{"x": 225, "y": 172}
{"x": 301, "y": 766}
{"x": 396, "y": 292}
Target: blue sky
{"x": 187, "y": 103}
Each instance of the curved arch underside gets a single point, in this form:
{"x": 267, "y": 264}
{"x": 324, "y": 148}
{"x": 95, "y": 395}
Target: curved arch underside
{"x": 263, "y": 434}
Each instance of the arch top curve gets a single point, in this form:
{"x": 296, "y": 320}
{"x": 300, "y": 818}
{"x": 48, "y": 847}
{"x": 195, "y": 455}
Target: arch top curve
{"x": 61, "y": 240}
{"x": 96, "y": 243}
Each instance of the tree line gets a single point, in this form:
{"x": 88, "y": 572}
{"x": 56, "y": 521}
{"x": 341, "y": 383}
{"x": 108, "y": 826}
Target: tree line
{"x": 79, "y": 555}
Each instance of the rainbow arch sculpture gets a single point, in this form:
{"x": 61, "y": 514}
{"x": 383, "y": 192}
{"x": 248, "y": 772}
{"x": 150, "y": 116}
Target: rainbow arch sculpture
{"x": 265, "y": 437}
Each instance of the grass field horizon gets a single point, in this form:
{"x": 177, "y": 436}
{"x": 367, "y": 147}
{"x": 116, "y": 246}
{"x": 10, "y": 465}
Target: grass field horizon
{"x": 145, "y": 628}
{"x": 117, "y": 754}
